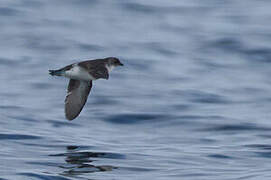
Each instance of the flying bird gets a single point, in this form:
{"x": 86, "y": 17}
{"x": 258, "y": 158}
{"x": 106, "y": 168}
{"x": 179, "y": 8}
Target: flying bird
{"x": 81, "y": 76}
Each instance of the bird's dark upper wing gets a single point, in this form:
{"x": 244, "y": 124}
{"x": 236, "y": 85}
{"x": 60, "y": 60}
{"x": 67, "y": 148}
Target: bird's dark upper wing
{"x": 76, "y": 98}
{"x": 100, "y": 72}
{"x": 96, "y": 68}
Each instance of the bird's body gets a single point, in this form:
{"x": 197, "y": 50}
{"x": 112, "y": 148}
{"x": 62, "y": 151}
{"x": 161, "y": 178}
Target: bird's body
{"x": 78, "y": 73}
{"x": 81, "y": 76}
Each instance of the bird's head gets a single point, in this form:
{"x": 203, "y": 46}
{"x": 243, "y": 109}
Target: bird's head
{"x": 112, "y": 61}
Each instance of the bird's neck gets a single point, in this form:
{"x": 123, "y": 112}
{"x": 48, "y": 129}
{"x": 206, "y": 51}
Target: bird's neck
{"x": 109, "y": 67}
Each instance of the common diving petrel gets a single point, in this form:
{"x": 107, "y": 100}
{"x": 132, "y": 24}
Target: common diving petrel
{"x": 81, "y": 76}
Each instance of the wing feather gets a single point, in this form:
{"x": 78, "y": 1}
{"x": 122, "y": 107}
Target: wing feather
{"x": 96, "y": 68}
{"x": 76, "y": 98}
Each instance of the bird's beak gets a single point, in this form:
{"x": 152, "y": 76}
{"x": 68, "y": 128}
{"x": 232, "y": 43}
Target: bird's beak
{"x": 121, "y": 64}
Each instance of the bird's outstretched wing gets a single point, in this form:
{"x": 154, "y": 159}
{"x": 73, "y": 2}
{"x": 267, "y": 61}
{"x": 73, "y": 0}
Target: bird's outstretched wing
{"x": 95, "y": 68}
{"x": 76, "y": 97}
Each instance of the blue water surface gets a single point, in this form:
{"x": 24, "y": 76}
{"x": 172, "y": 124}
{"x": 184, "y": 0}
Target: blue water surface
{"x": 192, "y": 101}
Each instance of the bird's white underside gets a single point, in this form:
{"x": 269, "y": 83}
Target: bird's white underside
{"x": 78, "y": 73}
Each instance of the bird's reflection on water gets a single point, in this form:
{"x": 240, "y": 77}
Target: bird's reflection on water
{"x": 79, "y": 162}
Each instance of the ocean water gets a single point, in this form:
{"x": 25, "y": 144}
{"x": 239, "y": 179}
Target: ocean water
{"x": 192, "y": 101}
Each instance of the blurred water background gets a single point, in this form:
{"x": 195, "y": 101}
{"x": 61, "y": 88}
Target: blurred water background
{"x": 192, "y": 101}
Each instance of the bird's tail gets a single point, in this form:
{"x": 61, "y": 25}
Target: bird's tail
{"x": 56, "y": 72}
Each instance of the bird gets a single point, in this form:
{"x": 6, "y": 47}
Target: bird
{"x": 81, "y": 75}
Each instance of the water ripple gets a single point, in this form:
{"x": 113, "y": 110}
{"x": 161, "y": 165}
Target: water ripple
{"x": 238, "y": 127}
{"x": 86, "y": 3}
{"x": 43, "y": 44}
{"x": 203, "y": 97}
{"x": 261, "y": 150}
{"x": 10, "y": 107}
{"x": 133, "y": 118}
{"x": 258, "y": 55}
{"x": 219, "y": 156}
{"x": 78, "y": 156}
{"x": 90, "y": 47}
{"x": 161, "y": 49}
{"x": 227, "y": 44}
{"x": 233, "y": 45}
{"x": 43, "y": 176}
{"x": 17, "y": 137}
{"x": 5, "y": 11}
{"x": 57, "y": 124}
{"x": 259, "y": 146}
{"x": 80, "y": 162}
{"x": 142, "y": 8}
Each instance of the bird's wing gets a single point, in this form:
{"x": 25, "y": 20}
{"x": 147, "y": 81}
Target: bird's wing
{"x": 100, "y": 72}
{"x": 76, "y": 98}
{"x": 95, "y": 68}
